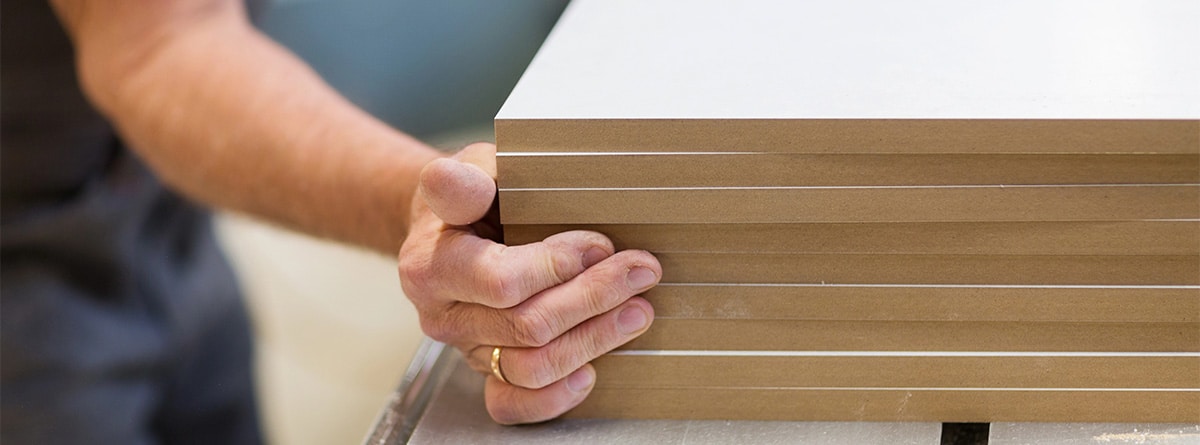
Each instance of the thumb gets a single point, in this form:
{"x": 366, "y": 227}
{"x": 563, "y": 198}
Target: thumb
{"x": 460, "y": 190}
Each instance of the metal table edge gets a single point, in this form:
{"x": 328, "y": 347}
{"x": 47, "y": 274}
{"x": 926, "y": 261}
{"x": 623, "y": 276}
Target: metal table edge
{"x": 426, "y": 373}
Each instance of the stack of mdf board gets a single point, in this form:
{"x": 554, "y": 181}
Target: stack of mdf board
{"x": 939, "y": 211}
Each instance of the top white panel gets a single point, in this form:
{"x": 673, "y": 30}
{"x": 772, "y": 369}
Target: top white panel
{"x": 932, "y": 59}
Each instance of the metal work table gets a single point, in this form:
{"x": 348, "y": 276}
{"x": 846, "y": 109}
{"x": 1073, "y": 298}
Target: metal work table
{"x": 440, "y": 400}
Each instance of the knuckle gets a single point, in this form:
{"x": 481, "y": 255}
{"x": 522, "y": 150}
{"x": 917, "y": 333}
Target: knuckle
{"x": 532, "y": 326}
{"x": 414, "y": 273}
{"x": 435, "y": 327}
{"x": 406, "y": 269}
{"x": 548, "y": 368}
{"x": 565, "y": 253}
{"x": 603, "y": 341}
{"x": 478, "y": 357}
{"x": 504, "y": 286}
{"x": 420, "y": 295}
{"x": 597, "y": 339}
{"x": 564, "y": 264}
{"x": 450, "y": 324}
{"x": 602, "y": 291}
{"x": 502, "y": 279}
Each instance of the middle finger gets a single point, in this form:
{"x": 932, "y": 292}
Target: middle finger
{"x": 548, "y": 314}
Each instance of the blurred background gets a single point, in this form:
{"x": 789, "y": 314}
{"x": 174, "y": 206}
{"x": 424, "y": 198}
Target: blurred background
{"x": 334, "y": 331}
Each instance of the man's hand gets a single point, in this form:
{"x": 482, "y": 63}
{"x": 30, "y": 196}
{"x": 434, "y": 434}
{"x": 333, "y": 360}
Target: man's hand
{"x": 553, "y": 306}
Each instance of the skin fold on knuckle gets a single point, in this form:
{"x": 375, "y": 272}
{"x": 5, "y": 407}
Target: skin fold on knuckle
{"x": 499, "y": 277}
{"x": 565, "y": 264}
{"x": 479, "y": 357}
{"x": 564, "y": 255}
{"x": 532, "y": 326}
{"x": 543, "y": 265}
{"x": 503, "y": 284}
{"x": 604, "y": 288}
{"x": 454, "y": 323}
{"x": 601, "y": 338}
{"x": 580, "y": 346}
{"x": 546, "y": 365}
{"x": 574, "y": 349}
{"x": 418, "y": 274}
{"x": 435, "y": 325}
{"x": 413, "y": 279}
{"x": 569, "y": 248}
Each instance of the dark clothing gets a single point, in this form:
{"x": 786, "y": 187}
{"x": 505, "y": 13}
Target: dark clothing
{"x": 120, "y": 321}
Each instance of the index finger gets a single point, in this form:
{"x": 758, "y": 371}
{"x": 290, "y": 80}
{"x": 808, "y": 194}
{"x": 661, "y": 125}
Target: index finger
{"x": 457, "y": 266}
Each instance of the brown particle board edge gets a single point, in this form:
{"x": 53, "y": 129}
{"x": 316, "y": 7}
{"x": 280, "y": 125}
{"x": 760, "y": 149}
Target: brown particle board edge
{"x": 530, "y": 170}
{"x": 900, "y": 404}
{"x": 833, "y": 335}
{"x": 849, "y": 135}
{"x": 814, "y": 205}
{"x": 1148, "y": 270}
{"x": 995, "y": 238}
{"x": 925, "y": 303}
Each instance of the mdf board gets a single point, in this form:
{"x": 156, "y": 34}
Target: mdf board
{"x": 851, "y": 204}
{"x": 995, "y": 238}
{"x": 924, "y": 302}
{"x": 921, "y": 211}
{"x": 774, "y": 268}
{"x": 745, "y": 169}
{"x": 589, "y": 126}
{"x": 967, "y": 387}
{"x": 851, "y": 335}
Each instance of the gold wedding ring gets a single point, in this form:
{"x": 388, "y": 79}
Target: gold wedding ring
{"x": 496, "y": 365}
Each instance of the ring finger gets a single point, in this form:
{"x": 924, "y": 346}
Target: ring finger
{"x": 538, "y": 367}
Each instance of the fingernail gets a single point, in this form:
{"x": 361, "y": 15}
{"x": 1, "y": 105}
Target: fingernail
{"x": 580, "y": 380}
{"x": 631, "y": 319}
{"x": 593, "y": 256}
{"x": 640, "y": 278}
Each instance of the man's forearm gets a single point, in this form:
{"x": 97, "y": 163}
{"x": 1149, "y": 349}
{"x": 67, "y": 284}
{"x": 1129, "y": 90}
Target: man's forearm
{"x": 228, "y": 117}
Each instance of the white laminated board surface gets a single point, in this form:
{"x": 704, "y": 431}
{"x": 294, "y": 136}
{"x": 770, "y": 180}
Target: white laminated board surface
{"x": 927, "y": 59}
